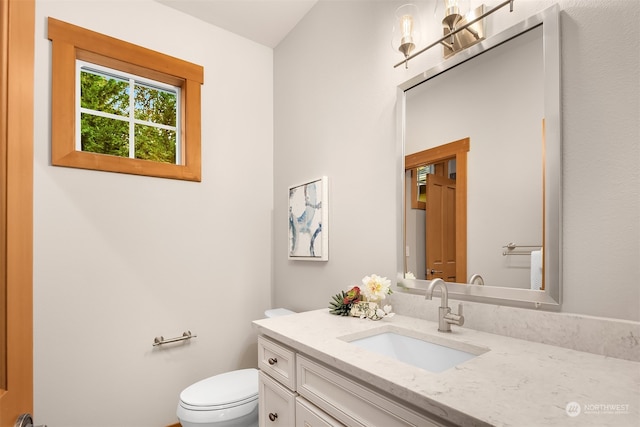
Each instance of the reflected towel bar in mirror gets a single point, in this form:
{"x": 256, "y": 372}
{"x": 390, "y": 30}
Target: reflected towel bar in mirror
{"x": 511, "y": 246}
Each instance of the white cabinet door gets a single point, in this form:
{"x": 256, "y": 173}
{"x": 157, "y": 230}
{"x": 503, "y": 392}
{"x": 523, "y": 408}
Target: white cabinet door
{"x": 351, "y": 403}
{"x": 276, "y": 403}
{"x": 308, "y": 415}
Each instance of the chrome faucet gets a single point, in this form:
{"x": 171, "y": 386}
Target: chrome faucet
{"x": 445, "y": 316}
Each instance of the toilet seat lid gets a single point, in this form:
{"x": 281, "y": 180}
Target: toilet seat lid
{"x": 228, "y": 389}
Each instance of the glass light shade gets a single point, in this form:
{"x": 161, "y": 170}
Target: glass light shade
{"x": 451, "y": 6}
{"x": 407, "y": 29}
{"x": 451, "y": 11}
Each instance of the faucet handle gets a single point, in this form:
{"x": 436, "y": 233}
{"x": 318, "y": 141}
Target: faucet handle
{"x": 455, "y": 318}
{"x": 460, "y": 316}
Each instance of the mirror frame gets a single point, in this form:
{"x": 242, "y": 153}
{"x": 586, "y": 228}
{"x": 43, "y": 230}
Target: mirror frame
{"x": 551, "y": 297}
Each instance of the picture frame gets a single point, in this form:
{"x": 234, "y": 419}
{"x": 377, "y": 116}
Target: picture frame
{"x": 308, "y": 226}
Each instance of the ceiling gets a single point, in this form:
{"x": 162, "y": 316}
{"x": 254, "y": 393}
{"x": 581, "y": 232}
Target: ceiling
{"x": 264, "y": 21}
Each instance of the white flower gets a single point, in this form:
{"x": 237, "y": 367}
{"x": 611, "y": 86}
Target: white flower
{"x": 387, "y": 311}
{"x": 384, "y": 312}
{"x": 409, "y": 275}
{"x": 375, "y": 288}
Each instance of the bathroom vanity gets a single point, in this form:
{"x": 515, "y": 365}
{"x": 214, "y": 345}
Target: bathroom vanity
{"x": 314, "y": 373}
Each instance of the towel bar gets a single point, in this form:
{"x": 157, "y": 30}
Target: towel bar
{"x": 511, "y": 246}
{"x": 161, "y": 340}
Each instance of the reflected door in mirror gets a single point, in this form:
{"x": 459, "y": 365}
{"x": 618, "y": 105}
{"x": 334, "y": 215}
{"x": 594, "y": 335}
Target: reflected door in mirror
{"x": 441, "y": 228}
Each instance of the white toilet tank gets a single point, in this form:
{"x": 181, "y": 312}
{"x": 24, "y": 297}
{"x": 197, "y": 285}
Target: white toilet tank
{"x": 275, "y": 312}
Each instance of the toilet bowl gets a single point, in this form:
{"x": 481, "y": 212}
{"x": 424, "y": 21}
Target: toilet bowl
{"x": 225, "y": 400}
{"x": 229, "y": 399}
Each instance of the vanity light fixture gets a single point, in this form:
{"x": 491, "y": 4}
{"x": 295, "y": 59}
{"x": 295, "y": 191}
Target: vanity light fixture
{"x": 406, "y": 29}
{"x": 457, "y": 14}
{"x": 454, "y": 23}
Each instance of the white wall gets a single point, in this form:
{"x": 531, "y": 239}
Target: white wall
{"x": 334, "y": 115}
{"x": 121, "y": 259}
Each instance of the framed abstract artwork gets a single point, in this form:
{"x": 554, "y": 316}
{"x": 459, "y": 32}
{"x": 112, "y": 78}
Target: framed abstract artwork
{"x": 308, "y": 221}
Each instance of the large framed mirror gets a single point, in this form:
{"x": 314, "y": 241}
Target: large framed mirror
{"x": 479, "y": 158}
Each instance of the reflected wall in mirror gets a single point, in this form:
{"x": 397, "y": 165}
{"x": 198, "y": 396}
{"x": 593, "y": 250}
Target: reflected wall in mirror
{"x": 498, "y": 96}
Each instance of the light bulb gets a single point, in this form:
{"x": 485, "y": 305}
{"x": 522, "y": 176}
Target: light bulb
{"x": 406, "y": 26}
{"x": 451, "y": 6}
{"x": 406, "y": 29}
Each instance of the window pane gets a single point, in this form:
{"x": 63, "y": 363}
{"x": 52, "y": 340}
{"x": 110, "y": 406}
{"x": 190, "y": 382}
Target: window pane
{"x": 155, "y": 105}
{"x": 104, "y": 93}
{"x": 158, "y": 145}
{"x": 104, "y": 136}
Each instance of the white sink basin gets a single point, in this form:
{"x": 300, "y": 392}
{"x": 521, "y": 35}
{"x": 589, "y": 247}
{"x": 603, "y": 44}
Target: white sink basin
{"x": 419, "y": 352}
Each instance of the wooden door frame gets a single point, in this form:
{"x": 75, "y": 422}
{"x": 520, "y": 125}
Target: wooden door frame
{"x": 457, "y": 149}
{"x": 17, "y": 38}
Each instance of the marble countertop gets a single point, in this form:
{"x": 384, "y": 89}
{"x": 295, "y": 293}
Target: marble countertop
{"x": 515, "y": 383}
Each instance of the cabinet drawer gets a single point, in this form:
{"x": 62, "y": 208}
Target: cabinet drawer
{"x": 276, "y": 404}
{"x": 351, "y": 403}
{"x": 277, "y": 361}
{"x": 307, "y": 415}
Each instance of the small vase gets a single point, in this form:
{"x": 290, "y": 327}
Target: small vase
{"x": 364, "y": 309}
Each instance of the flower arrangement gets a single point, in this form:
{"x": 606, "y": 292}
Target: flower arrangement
{"x": 343, "y": 301}
{"x": 375, "y": 288}
{"x": 364, "y": 301}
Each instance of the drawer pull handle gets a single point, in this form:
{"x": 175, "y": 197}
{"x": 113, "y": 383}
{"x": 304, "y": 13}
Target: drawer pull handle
{"x": 273, "y": 416}
{"x": 273, "y": 361}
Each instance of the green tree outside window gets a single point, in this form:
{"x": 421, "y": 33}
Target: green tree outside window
{"x": 108, "y": 126}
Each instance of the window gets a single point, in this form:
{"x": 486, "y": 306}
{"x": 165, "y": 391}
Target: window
{"x": 122, "y": 108}
{"x": 125, "y": 115}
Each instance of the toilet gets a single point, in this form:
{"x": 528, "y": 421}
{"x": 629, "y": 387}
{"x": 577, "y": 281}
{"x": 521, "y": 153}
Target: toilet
{"x": 225, "y": 400}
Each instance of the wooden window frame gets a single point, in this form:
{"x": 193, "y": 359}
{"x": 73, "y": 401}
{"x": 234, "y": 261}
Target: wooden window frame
{"x": 415, "y": 203}
{"x": 70, "y": 43}
{"x": 441, "y": 169}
